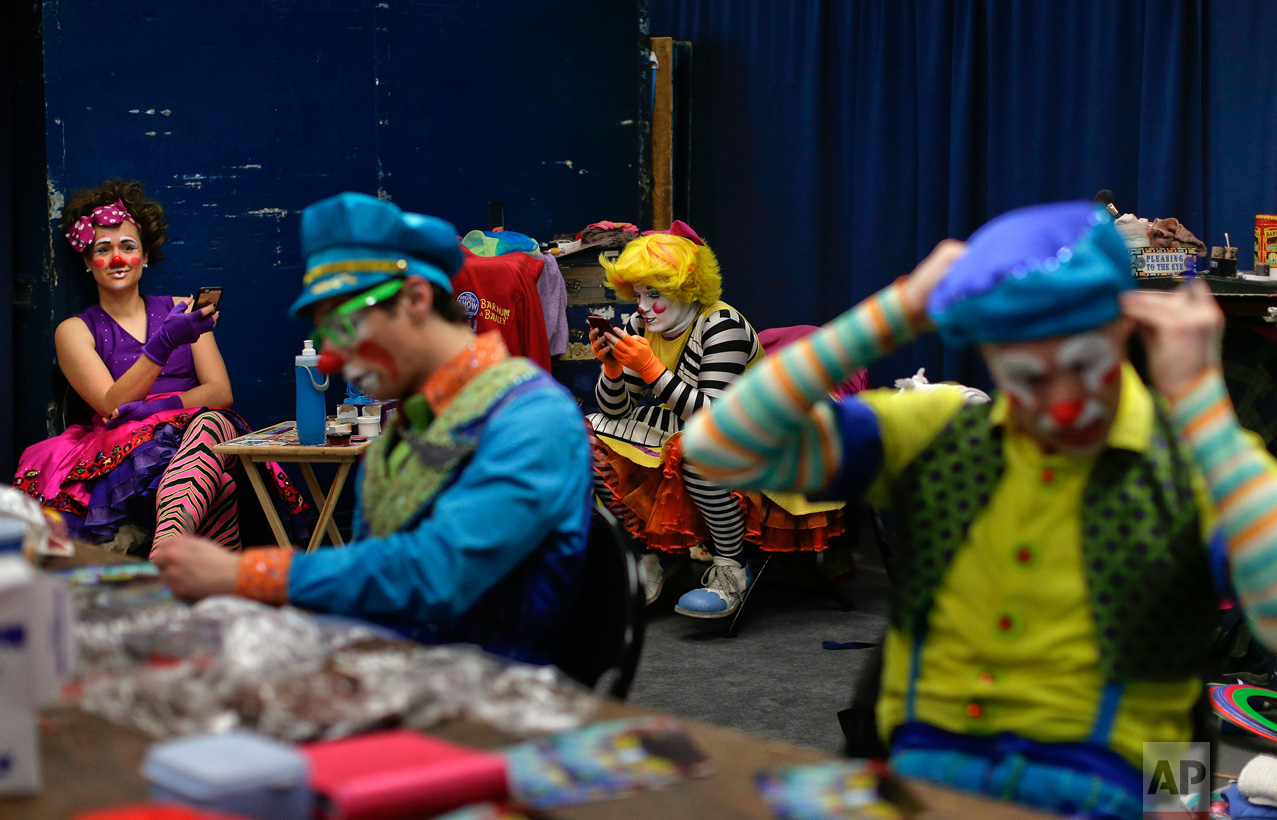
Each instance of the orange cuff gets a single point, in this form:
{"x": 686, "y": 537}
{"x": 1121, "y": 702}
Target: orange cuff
{"x": 263, "y": 575}
{"x": 651, "y": 370}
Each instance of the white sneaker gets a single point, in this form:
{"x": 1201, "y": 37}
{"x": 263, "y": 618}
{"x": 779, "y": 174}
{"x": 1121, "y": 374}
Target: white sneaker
{"x": 653, "y": 575}
{"x": 724, "y": 583}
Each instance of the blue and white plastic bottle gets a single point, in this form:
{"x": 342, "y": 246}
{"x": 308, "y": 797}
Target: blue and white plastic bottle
{"x": 312, "y": 410}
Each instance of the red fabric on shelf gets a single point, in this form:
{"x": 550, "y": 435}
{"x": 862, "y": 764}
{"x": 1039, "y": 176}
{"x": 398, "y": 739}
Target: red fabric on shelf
{"x": 500, "y": 293}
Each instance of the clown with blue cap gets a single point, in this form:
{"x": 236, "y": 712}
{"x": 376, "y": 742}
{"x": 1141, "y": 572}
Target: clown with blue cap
{"x": 1054, "y": 599}
{"x": 474, "y": 508}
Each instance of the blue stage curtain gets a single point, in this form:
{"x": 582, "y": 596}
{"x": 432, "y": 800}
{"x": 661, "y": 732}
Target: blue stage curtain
{"x": 835, "y": 142}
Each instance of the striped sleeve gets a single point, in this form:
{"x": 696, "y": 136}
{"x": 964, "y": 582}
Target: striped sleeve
{"x": 764, "y": 433}
{"x": 725, "y": 347}
{"x": 1242, "y": 479}
{"x": 616, "y": 397}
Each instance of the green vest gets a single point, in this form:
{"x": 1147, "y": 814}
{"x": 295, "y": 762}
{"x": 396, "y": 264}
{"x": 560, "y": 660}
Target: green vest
{"x": 394, "y": 499}
{"x": 1147, "y": 570}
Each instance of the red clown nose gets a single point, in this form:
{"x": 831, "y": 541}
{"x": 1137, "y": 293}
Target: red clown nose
{"x": 331, "y": 362}
{"x": 1065, "y": 413}
{"x": 117, "y": 260}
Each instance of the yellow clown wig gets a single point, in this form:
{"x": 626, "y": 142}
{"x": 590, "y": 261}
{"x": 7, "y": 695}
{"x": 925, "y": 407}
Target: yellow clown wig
{"x": 677, "y": 267}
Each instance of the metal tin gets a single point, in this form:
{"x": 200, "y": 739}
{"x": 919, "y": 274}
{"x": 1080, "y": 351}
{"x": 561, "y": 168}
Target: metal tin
{"x": 1266, "y": 239}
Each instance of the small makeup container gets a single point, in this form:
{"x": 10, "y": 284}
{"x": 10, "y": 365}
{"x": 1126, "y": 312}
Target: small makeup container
{"x": 348, "y": 413}
{"x": 370, "y": 426}
{"x": 1223, "y": 261}
{"x": 241, "y": 773}
{"x": 338, "y": 433}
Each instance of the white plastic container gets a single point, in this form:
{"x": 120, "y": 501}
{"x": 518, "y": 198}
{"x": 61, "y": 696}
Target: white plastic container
{"x": 12, "y": 533}
{"x": 241, "y": 773}
{"x": 370, "y": 426}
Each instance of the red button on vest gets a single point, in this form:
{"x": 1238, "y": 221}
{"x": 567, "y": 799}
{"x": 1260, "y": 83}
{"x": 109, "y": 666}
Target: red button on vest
{"x": 1004, "y": 622}
{"x": 974, "y": 710}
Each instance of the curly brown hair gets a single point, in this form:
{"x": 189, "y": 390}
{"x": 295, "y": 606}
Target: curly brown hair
{"x": 153, "y": 227}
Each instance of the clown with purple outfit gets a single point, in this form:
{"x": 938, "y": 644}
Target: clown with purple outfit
{"x": 158, "y": 387}
{"x": 1056, "y": 599}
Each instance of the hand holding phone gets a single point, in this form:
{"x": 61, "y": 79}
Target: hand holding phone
{"x": 602, "y": 325}
{"x": 207, "y": 296}
{"x": 600, "y": 342}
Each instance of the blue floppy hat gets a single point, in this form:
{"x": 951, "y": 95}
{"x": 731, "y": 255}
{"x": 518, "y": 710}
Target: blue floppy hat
{"x": 1045, "y": 270}
{"x": 352, "y": 242}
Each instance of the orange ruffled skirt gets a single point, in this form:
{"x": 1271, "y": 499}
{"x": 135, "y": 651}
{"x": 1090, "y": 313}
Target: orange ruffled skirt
{"x": 654, "y": 505}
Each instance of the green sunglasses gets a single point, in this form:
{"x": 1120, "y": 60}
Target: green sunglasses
{"x": 339, "y": 327}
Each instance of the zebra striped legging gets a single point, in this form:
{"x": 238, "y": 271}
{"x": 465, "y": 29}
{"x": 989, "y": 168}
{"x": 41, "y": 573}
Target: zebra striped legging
{"x": 723, "y": 516}
{"x": 197, "y": 493}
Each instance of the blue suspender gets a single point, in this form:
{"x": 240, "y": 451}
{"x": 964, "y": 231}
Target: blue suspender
{"x": 1110, "y": 700}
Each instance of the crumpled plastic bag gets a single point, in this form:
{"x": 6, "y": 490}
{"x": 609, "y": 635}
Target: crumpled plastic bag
{"x": 45, "y": 533}
{"x": 228, "y": 663}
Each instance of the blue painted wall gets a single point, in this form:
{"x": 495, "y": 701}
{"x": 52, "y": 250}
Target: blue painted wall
{"x": 236, "y": 116}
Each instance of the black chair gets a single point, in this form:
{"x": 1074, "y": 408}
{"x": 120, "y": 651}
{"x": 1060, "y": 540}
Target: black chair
{"x": 606, "y": 625}
{"x": 809, "y": 564}
{"x": 68, "y": 408}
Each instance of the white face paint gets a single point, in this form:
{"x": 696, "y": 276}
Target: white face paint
{"x": 1091, "y": 355}
{"x": 1030, "y": 379}
{"x": 367, "y": 380}
{"x": 663, "y": 315}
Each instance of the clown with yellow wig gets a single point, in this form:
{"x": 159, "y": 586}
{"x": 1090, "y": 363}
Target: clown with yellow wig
{"x": 679, "y": 351}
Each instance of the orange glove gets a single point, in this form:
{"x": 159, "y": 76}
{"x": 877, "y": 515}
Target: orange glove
{"x": 635, "y": 353}
{"x": 603, "y": 352}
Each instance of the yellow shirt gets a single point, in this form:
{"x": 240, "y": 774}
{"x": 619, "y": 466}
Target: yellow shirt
{"x": 1011, "y": 642}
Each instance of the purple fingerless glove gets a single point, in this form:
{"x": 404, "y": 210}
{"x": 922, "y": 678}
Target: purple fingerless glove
{"x": 138, "y": 410}
{"x": 178, "y": 329}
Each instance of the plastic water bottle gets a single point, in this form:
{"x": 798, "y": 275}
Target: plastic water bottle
{"x": 312, "y": 410}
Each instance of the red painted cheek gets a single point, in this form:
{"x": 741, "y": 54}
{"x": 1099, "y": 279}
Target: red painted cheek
{"x": 1111, "y": 375}
{"x": 135, "y": 260}
{"x": 379, "y": 356}
{"x": 658, "y": 308}
{"x": 99, "y": 263}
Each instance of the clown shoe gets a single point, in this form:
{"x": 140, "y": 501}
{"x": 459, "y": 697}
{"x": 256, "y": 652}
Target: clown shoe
{"x": 724, "y": 588}
{"x": 654, "y": 570}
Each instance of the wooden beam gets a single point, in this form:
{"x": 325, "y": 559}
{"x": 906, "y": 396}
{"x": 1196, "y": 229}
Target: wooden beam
{"x": 663, "y": 134}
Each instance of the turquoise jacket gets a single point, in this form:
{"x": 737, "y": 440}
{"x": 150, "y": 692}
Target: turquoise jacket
{"x": 495, "y": 557}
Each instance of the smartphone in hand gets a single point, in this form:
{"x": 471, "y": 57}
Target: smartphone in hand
{"x": 602, "y": 325}
{"x": 207, "y": 296}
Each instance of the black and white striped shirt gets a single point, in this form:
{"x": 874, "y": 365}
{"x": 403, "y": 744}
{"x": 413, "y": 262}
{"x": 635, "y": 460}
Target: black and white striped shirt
{"x": 720, "y": 345}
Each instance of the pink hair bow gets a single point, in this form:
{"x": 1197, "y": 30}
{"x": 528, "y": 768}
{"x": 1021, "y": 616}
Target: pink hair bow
{"x": 680, "y": 228}
{"x": 81, "y": 233}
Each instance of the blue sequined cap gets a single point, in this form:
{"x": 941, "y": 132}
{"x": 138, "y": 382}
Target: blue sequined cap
{"x": 1045, "y": 270}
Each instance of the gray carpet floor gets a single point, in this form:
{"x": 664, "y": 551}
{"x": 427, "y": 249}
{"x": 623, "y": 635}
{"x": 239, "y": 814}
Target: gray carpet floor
{"x": 774, "y": 679}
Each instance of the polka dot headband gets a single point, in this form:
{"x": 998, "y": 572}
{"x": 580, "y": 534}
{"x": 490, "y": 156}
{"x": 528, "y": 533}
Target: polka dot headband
{"x": 81, "y": 233}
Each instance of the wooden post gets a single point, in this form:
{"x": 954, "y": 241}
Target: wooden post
{"x": 663, "y": 134}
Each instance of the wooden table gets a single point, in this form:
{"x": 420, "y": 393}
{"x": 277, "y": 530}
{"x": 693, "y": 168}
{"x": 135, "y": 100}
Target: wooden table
{"x": 275, "y": 444}
{"x": 88, "y": 763}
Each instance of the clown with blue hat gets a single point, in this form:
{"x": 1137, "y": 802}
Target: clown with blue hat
{"x": 473, "y": 508}
{"x": 1054, "y": 600}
